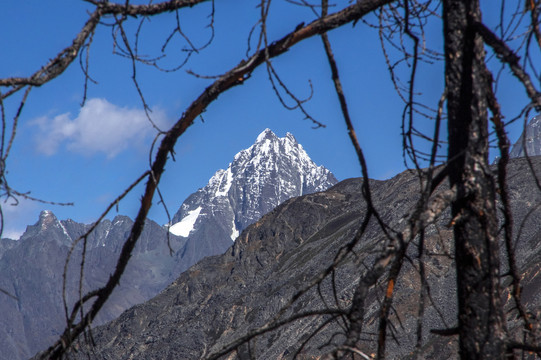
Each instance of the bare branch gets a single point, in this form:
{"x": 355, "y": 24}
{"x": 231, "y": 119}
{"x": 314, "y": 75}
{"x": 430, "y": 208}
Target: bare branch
{"x": 420, "y": 221}
{"x": 9, "y": 294}
{"x": 510, "y": 58}
{"x": 60, "y": 62}
{"x": 270, "y": 327}
{"x": 503, "y": 145}
{"x": 57, "y": 65}
{"x": 232, "y": 78}
{"x": 145, "y": 9}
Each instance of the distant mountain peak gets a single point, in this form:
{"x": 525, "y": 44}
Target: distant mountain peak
{"x": 47, "y": 216}
{"x": 32, "y": 269}
{"x": 290, "y": 137}
{"x": 258, "y": 179}
{"x": 47, "y": 219}
{"x": 49, "y": 224}
{"x": 267, "y": 141}
{"x": 266, "y": 134}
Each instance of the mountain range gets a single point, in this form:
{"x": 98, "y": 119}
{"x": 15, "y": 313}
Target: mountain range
{"x": 32, "y": 272}
{"x": 257, "y": 282}
{"x": 258, "y": 179}
{"x": 276, "y": 252}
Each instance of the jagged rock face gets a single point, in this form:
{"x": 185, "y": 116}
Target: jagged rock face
{"x": 532, "y": 141}
{"x": 5, "y": 245}
{"x": 32, "y": 269}
{"x": 225, "y": 297}
{"x": 259, "y": 179}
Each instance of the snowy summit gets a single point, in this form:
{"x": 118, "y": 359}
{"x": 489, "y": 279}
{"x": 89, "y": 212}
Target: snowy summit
{"x": 261, "y": 177}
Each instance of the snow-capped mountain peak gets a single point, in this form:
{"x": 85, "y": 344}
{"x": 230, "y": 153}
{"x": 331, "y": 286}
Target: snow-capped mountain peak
{"x": 49, "y": 224}
{"x": 258, "y": 179}
{"x": 269, "y": 147}
{"x": 267, "y": 134}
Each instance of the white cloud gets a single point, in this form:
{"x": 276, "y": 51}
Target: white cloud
{"x": 99, "y": 127}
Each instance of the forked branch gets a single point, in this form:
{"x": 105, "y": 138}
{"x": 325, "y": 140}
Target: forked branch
{"x": 231, "y": 79}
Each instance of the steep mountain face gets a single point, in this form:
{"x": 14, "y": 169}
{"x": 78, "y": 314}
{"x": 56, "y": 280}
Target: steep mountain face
{"x": 5, "y": 245}
{"x": 223, "y": 298}
{"x": 260, "y": 178}
{"x": 532, "y": 140}
{"x": 32, "y": 269}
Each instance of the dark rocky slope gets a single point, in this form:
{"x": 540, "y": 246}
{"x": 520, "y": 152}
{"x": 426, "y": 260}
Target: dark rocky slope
{"x": 529, "y": 141}
{"x": 258, "y": 179}
{"x": 225, "y": 297}
{"x": 32, "y": 272}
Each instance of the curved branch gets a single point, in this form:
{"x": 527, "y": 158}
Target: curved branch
{"x": 108, "y": 8}
{"x": 232, "y": 78}
{"x": 58, "y": 64}
{"x": 61, "y": 62}
{"x": 513, "y": 60}
{"x": 270, "y": 327}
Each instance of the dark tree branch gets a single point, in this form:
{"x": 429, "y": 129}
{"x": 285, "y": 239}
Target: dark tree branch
{"x": 503, "y": 145}
{"x": 367, "y": 193}
{"x": 61, "y": 61}
{"x": 232, "y": 78}
{"x": 110, "y": 8}
{"x": 535, "y": 13}
{"x": 526, "y": 347}
{"x": 270, "y": 327}
{"x": 82, "y": 299}
{"x": 481, "y": 321}
{"x": 5, "y": 292}
{"x": 418, "y": 222}
{"x": 510, "y": 58}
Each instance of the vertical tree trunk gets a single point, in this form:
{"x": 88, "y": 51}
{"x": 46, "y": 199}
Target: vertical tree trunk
{"x": 481, "y": 319}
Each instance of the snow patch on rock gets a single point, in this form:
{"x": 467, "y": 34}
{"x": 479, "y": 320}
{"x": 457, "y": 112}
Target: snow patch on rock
{"x": 186, "y": 225}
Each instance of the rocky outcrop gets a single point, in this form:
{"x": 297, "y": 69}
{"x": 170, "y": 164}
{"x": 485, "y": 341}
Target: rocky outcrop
{"x": 529, "y": 141}
{"x": 32, "y": 271}
{"x": 225, "y": 297}
{"x": 258, "y": 179}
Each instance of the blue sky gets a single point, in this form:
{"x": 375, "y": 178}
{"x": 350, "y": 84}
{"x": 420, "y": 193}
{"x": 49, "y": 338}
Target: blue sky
{"x": 89, "y": 155}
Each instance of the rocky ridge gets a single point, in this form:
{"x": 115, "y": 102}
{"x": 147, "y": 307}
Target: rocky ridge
{"x": 259, "y": 178}
{"x": 225, "y": 297}
{"x": 529, "y": 141}
{"x": 32, "y": 271}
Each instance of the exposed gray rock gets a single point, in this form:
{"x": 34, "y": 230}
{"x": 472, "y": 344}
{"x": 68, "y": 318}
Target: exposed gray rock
{"x": 225, "y": 297}
{"x": 257, "y": 180}
{"x": 32, "y": 271}
{"x": 260, "y": 178}
{"x": 532, "y": 141}
{"x": 5, "y": 245}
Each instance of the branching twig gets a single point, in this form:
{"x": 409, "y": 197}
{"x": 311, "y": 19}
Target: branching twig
{"x": 510, "y": 58}
{"x": 232, "y": 78}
